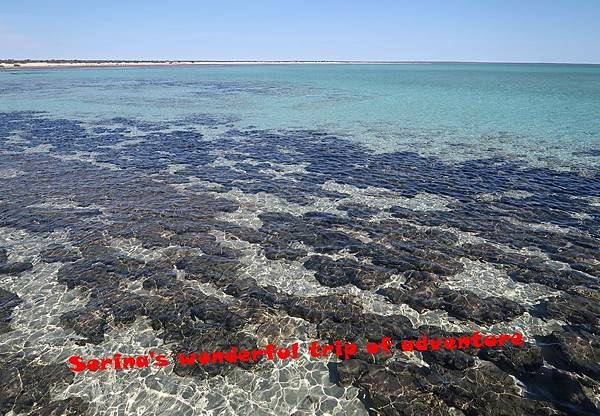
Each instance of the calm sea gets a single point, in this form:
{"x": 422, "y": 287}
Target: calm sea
{"x": 182, "y": 209}
{"x": 545, "y": 113}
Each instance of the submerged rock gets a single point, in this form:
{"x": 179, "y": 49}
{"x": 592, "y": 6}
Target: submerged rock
{"x": 461, "y": 304}
{"x": 578, "y": 350}
{"x": 15, "y": 268}
{"x": 8, "y": 302}
{"x": 164, "y": 248}
{"x": 334, "y": 273}
{"x": 25, "y": 388}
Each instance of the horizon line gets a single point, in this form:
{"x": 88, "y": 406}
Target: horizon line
{"x": 274, "y": 61}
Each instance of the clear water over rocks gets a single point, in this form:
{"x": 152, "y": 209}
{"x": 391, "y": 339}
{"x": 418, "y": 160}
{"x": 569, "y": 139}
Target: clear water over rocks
{"x": 184, "y": 209}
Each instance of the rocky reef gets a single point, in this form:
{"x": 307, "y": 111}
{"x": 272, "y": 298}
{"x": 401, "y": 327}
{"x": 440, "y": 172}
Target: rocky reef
{"x": 244, "y": 236}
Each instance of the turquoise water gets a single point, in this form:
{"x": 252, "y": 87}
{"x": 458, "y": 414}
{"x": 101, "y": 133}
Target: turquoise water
{"x": 182, "y": 209}
{"x": 544, "y": 113}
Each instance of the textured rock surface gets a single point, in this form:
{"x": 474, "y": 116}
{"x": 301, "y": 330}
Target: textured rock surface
{"x": 214, "y": 242}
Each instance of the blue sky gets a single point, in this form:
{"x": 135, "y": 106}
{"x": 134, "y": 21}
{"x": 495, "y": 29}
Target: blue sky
{"x": 463, "y": 30}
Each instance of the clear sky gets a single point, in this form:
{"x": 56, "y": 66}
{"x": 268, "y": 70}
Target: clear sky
{"x": 461, "y": 30}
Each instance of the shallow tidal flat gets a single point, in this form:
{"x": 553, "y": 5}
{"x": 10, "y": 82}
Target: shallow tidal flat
{"x": 195, "y": 234}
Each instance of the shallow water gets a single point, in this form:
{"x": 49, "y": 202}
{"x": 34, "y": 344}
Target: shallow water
{"x": 201, "y": 207}
{"x": 547, "y": 113}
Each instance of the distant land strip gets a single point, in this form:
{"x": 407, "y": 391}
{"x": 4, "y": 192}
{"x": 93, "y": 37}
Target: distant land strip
{"x": 58, "y": 63}
{"x": 10, "y": 63}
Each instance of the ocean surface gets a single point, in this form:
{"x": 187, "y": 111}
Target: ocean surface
{"x": 193, "y": 208}
{"x": 545, "y": 113}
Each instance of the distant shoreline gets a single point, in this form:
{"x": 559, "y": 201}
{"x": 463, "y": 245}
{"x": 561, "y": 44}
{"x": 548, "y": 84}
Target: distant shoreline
{"x": 32, "y": 64}
{"x": 92, "y": 64}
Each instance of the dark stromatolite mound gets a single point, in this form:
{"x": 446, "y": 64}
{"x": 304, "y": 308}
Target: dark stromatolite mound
{"x": 451, "y": 359}
{"x": 366, "y": 327}
{"x": 25, "y": 388}
{"x": 340, "y": 272}
{"x": 8, "y": 302}
{"x": 73, "y": 406}
{"x": 14, "y": 267}
{"x": 455, "y": 379}
{"x": 484, "y": 389}
{"x": 570, "y": 393}
{"x": 58, "y": 253}
{"x": 401, "y": 389}
{"x": 571, "y": 349}
{"x": 459, "y": 303}
{"x": 358, "y": 211}
{"x": 292, "y": 229}
{"x": 316, "y": 309}
{"x": 557, "y": 279}
{"x": 416, "y": 278}
{"x": 89, "y": 323}
{"x": 206, "y": 268}
{"x": 589, "y": 152}
{"x": 97, "y": 271}
{"x": 573, "y": 309}
{"x": 519, "y": 361}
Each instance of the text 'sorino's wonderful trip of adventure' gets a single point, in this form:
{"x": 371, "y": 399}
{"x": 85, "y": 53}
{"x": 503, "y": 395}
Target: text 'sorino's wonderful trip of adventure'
{"x": 302, "y": 208}
{"x": 339, "y": 348}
